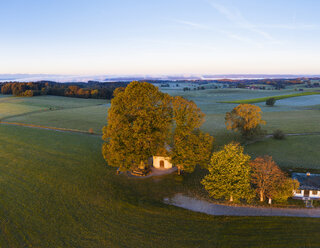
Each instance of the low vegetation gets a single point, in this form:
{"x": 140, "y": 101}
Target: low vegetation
{"x": 278, "y": 134}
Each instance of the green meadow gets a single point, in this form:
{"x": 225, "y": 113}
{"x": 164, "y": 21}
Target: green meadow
{"x": 57, "y": 191}
{"x": 291, "y": 153}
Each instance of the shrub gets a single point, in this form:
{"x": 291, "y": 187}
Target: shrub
{"x": 270, "y": 101}
{"x": 278, "y": 134}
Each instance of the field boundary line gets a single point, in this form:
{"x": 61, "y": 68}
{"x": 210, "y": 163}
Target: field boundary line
{"x": 45, "y": 110}
{"x": 50, "y": 128}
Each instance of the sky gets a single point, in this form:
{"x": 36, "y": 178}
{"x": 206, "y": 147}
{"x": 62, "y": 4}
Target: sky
{"x": 126, "y": 37}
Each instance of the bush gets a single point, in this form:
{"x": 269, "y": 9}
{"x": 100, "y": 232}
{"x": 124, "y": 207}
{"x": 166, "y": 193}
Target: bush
{"x": 270, "y": 101}
{"x": 278, "y": 134}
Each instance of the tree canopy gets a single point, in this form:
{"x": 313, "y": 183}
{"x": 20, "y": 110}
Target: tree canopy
{"x": 270, "y": 101}
{"x": 266, "y": 176}
{"x": 245, "y": 118}
{"x": 285, "y": 189}
{"x": 191, "y": 147}
{"x": 139, "y": 121}
{"x": 143, "y": 122}
{"x": 270, "y": 181}
{"x": 229, "y": 174}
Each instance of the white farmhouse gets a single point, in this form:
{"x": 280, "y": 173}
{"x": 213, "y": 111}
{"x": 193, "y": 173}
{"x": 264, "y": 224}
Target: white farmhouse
{"x": 309, "y": 188}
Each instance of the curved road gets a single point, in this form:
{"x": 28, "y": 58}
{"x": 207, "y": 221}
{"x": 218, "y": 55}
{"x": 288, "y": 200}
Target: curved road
{"x": 193, "y": 204}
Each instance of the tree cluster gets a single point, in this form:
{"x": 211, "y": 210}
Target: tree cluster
{"x": 232, "y": 175}
{"x": 144, "y": 122}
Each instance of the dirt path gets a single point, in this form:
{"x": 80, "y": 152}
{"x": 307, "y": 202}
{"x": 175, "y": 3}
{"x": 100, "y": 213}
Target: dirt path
{"x": 155, "y": 172}
{"x": 193, "y": 204}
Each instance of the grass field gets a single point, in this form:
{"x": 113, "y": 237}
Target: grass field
{"x": 293, "y": 152}
{"x": 56, "y": 191}
{"x": 10, "y": 109}
{"x": 82, "y": 114}
{"x": 53, "y": 111}
{"x": 263, "y": 99}
{"x": 81, "y": 118}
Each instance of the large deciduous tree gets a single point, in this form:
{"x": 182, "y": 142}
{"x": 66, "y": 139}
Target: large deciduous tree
{"x": 266, "y": 176}
{"x": 270, "y": 181}
{"x": 245, "y": 118}
{"x": 139, "y": 122}
{"x": 191, "y": 146}
{"x": 229, "y": 174}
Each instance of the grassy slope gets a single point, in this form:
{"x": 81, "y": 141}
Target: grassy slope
{"x": 263, "y": 99}
{"x": 56, "y": 191}
{"x": 81, "y": 118}
{"x": 66, "y": 112}
{"x": 51, "y": 101}
{"x": 10, "y": 109}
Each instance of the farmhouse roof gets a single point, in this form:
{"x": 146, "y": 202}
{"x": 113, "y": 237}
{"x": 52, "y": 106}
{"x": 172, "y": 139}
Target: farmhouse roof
{"x": 307, "y": 181}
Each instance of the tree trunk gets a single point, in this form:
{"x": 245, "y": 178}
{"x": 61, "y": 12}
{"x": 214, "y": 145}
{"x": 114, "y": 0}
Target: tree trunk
{"x": 231, "y": 198}
{"x": 270, "y": 201}
{"x": 179, "y": 170}
{"x": 261, "y": 196}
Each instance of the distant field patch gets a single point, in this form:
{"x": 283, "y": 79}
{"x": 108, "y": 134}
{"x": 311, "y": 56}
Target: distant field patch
{"x": 302, "y": 121}
{"x": 263, "y": 99}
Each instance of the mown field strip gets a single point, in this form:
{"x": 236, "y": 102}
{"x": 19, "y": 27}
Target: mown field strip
{"x": 263, "y": 99}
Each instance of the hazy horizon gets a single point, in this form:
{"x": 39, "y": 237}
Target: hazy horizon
{"x": 124, "y": 77}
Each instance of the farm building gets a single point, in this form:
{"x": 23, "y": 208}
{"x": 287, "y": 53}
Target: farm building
{"x": 161, "y": 162}
{"x": 309, "y": 186}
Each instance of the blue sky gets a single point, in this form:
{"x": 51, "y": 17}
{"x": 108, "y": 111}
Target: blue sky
{"x": 159, "y": 36}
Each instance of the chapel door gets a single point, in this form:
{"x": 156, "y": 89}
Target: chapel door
{"x": 306, "y": 193}
{"x": 161, "y": 164}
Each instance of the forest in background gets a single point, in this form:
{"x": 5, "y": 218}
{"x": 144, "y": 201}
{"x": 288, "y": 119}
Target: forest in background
{"x": 91, "y": 89}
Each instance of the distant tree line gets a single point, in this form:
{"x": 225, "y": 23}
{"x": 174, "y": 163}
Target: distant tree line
{"x": 91, "y": 89}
